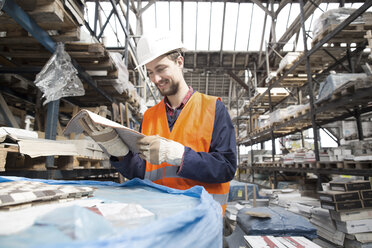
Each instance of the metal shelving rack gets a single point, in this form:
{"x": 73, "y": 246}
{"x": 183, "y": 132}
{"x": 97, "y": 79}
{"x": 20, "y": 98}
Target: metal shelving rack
{"x": 354, "y": 101}
{"x": 11, "y": 8}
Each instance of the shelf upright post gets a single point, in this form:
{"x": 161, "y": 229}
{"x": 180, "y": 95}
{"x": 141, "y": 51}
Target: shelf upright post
{"x": 237, "y": 121}
{"x": 359, "y": 123}
{"x": 310, "y": 83}
{"x": 250, "y": 140}
{"x": 299, "y": 97}
{"x": 126, "y": 54}
{"x": 273, "y": 152}
{"x": 250, "y": 131}
{"x": 250, "y": 126}
{"x": 26, "y": 22}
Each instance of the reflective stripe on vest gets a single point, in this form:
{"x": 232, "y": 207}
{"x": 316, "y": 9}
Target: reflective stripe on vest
{"x": 169, "y": 171}
{"x": 222, "y": 199}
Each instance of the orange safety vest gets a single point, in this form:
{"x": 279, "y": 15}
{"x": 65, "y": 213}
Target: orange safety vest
{"x": 193, "y": 128}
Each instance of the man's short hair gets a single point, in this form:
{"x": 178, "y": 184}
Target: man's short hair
{"x": 173, "y": 55}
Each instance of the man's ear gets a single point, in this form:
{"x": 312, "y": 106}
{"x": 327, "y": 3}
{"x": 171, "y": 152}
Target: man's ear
{"x": 179, "y": 61}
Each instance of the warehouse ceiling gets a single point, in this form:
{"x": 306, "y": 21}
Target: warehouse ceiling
{"x": 226, "y": 41}
{"x": 223, "y": 38}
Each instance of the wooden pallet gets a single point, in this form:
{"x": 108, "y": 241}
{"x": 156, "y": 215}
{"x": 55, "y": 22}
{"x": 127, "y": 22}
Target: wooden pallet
{"x": 304, "y": 111}
{"x": 288, "y": 118}
{"x": 77, "y": 162}
{"x": 17, "y": 161}
{"x": 304, "y": 165}
{"x": 293, "y": 81}
{"x": 361, "y": 165}
{"x": 330, "y": 165}
{"x": 353, "y": 33}
{"x": 268, "y": 164}
{"x": 49, "y": 15}
{"x": 283, "y": 165}
{"x": 275, "y": 96}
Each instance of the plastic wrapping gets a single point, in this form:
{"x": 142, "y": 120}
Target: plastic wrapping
{"x": 58, "y": 78}
{"x": 122, "y": 82}
{"x": 288, "y": 60}
{"x": 279, "y": 115}
{"x": 182, "y": 219}
{"x": 237, "y": 191}
{"x": 335, "y": 81}
{"x": 334, "y": 17}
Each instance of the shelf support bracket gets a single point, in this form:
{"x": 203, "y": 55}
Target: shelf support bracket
{"x": 310, "y": 83}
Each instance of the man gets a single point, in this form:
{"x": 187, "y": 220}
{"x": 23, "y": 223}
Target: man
{"x": 190, "y": 139}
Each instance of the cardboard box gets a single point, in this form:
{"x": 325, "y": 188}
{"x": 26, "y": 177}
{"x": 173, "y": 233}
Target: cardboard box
{"x": 339, "y": 206}
{"x": 366, "y": 194}
{"x": 354, "y": 226}
{"x": 337, "y": 196}
{"x": 351, "y": 215}
{"x": 350, "y": 186}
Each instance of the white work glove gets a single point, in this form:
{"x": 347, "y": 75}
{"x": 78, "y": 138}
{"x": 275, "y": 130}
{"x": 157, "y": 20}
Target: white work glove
{"x": 106, "y": 137}
{"x": 157, "y": 150}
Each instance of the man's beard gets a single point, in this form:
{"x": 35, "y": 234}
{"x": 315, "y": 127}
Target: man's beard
{"x": 172, "y": 90}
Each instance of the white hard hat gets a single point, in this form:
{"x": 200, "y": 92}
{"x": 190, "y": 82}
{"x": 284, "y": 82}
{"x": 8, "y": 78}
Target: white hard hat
{"x": 154, "y": 44}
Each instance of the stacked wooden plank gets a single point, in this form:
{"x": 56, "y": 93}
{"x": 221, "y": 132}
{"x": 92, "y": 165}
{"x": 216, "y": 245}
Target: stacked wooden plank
{"x": 52, "y": 15}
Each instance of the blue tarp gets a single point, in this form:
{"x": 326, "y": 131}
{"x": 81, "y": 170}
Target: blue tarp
{"x": 183, "y": 219}
{"x": 281, "y": 223}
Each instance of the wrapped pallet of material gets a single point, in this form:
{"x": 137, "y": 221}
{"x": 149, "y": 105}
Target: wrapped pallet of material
{"x": 334, "y": 17}
{"x": 122, "y": 82}
{"x": 279, "y": 115}
{"x": 242, "y": 191}
{"x": 335, "y": 81}
{"x": 288, "y": 60}
{"x": 137, "y": 214}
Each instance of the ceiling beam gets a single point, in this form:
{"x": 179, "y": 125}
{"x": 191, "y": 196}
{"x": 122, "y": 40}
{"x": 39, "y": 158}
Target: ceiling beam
{"x": 281, "y": 6}
{"x": 309, "y": 8}
{"x": 259, "y": 4}
{"x": 238, "y": 80}
{"x": 223, "y": 32}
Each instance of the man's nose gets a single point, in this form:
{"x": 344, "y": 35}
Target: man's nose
{"x": 156, "y": 78}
